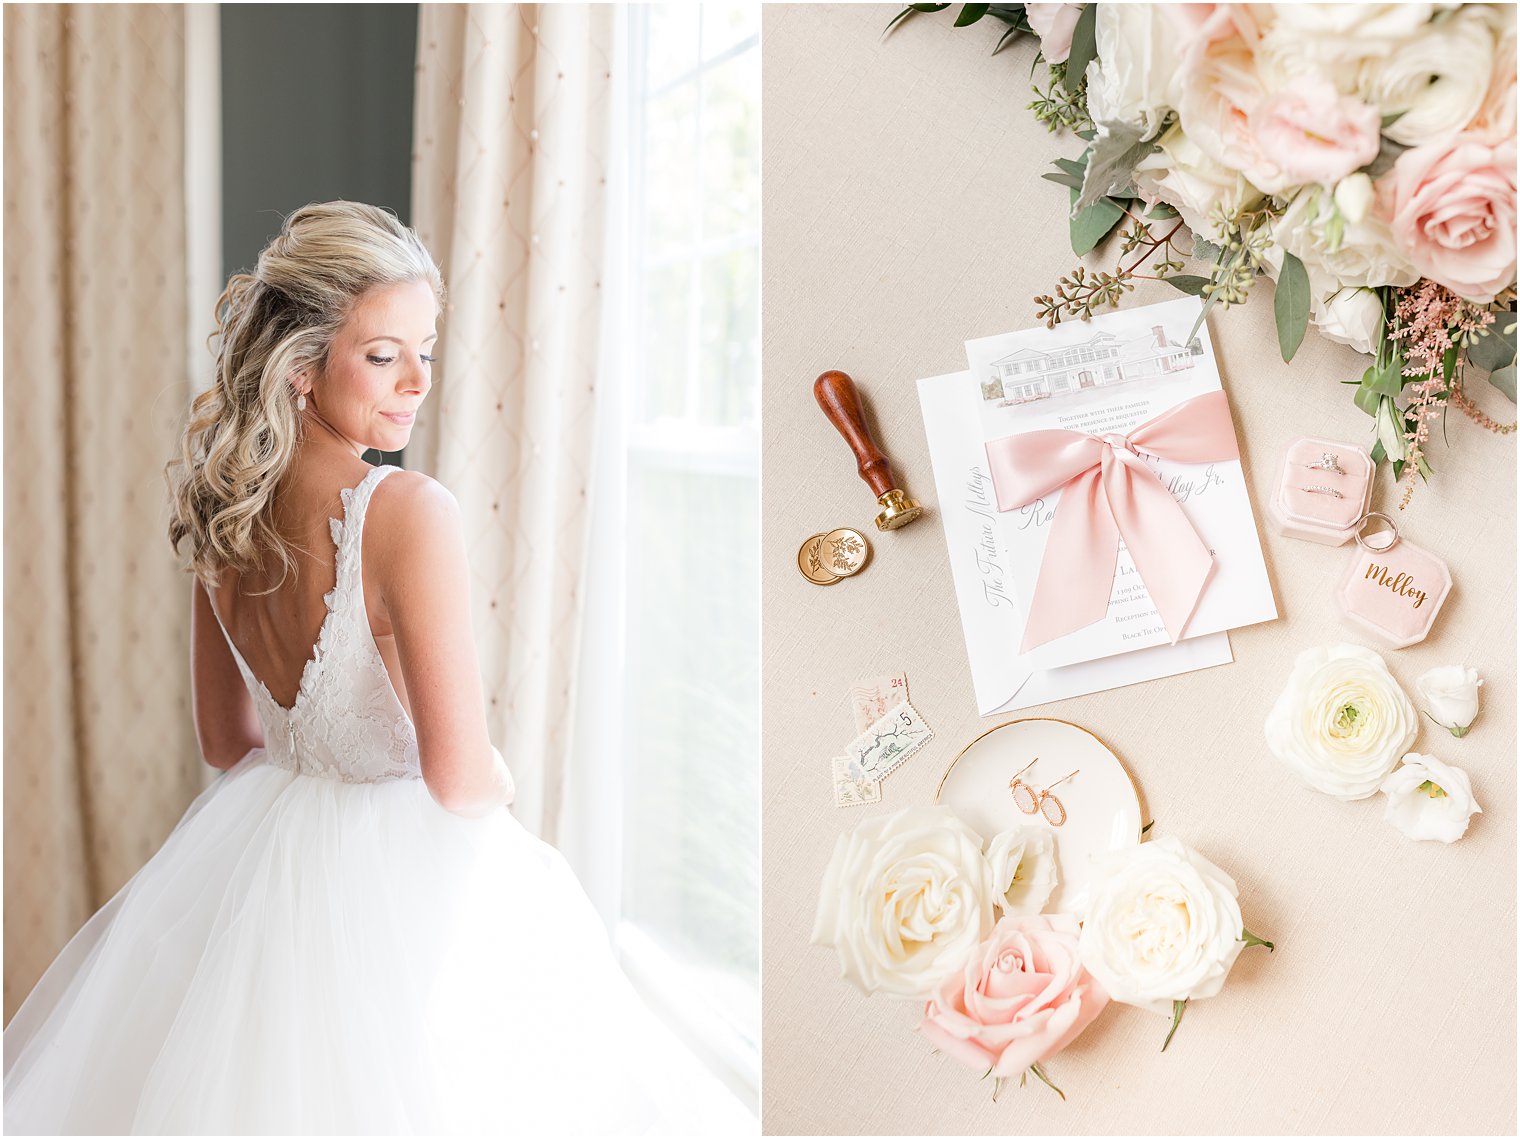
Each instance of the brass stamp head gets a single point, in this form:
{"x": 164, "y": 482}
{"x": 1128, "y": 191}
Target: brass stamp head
{"x": 897, "y": 510}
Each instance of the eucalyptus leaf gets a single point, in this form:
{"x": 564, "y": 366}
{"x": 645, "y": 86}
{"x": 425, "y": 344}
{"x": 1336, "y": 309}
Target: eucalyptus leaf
{"x": 1178, "y": 1008}
{"x": 1087, "y": 135}
{"x": 1084, "y": 47}
{"x": 1076, "y": 167}
{"x": 1189, "y": 283}
{"x": 1388, "y": 379}
{"x": 970, "y": 14}
{"x": 1111, "y": 161}
{"x": 1162, "y": 212}
{"x": 1062, "y": 178}
{"x": 1493, "y": 351}
{"x": 1504, "y": 380}
{"x": 1378, "y": 454}
{"x": 1093, "y": 224}
{"x": 1291, "y": 305}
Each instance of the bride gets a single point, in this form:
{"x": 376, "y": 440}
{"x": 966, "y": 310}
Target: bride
{"x": 346, "y": 932}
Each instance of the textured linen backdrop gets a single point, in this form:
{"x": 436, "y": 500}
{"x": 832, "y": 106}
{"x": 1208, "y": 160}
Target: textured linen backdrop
{"x": 100, "y": 750}
{"x": 509, "y": 193}
{"x": 904, "y": 214}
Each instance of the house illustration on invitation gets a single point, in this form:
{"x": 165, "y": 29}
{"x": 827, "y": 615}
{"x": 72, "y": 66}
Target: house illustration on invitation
{"x": 1102, "y": 361}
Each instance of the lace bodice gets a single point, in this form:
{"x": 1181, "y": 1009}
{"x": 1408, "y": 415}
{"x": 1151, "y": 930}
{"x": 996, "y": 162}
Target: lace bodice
{"x": 347, "y": 722}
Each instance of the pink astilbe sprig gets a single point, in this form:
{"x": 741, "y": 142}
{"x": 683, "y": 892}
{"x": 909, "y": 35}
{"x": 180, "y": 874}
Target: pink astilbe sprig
{"x": 1430, "y": 326}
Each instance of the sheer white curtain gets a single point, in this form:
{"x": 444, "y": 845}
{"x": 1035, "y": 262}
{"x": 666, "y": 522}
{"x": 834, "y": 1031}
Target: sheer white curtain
{"x": 509, "y": 193}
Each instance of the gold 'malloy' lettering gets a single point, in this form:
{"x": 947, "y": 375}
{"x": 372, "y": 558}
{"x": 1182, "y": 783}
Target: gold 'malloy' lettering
{"x": 1401, "y": 583}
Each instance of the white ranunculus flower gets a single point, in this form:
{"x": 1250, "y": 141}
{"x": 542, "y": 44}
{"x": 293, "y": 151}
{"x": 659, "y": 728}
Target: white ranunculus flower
{"x": 1438, "y": 79}
{"x": 1342, "y": 722}
{"x": 1364, "y": 257}
{"x": 1162, "y": 925}
{"x": 1351, "y": 316}
{"x": 1023, "y": 864}
{"x": 904, "y": 901}
{"x": 1427, "y": 799}
{"x": 1450, "y": 696}
{"x": 1191, "y": 182}
{"x": 1334, "y": 39}
{"x": 1129, "y": 80}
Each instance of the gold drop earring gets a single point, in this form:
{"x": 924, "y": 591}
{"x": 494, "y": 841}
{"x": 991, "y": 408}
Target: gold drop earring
{"x": 1028, "y": 800}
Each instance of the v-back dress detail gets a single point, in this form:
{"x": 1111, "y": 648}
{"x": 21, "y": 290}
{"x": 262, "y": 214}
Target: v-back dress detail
{"x": 318, "y": 948}
{"x": 347, "y": 722}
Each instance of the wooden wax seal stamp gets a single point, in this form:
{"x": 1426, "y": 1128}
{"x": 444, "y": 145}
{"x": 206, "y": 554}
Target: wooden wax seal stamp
{"x": 837, "y": 395}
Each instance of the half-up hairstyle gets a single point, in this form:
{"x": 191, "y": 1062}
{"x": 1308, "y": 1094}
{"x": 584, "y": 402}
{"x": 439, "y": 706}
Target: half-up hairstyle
{"x": 272, "y": 325}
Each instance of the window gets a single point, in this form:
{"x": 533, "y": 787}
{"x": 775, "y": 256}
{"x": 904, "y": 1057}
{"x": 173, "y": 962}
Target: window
{"x": 681, "y": 893}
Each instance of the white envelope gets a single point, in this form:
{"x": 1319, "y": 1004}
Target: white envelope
{"x": 984, "y": 578}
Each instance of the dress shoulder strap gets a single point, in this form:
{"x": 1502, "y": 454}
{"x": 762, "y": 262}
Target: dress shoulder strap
{"x": 348, "y": 530}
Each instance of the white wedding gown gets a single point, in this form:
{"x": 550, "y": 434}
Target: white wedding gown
{"x": 319, "y": 948}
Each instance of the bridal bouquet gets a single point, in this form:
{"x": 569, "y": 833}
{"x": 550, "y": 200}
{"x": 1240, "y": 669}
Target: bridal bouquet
{"x": 1362, "y": 156}
{"x": 917, "y": 909}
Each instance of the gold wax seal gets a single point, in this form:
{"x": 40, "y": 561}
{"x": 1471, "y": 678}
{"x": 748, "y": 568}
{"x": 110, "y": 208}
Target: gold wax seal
{"x": 810, "y": 560}
{"x": 845, "y": 551}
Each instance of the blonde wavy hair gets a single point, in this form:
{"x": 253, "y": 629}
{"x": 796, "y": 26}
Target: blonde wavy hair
{"x": 272, "y": 325}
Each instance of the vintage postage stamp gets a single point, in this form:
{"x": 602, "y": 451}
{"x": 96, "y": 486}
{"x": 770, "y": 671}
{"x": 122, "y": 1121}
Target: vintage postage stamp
{"x": 890, "y": 740}
{"x": 870, "y": 698}
{"x": 851, "y": 786}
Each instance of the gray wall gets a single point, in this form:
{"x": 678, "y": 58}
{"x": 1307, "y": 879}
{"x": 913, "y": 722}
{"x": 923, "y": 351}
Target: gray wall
{"x": 316, "y": 105}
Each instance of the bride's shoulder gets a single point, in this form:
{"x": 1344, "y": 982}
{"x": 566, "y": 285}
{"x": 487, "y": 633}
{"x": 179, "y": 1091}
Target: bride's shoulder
{"x": 412, "y": 524}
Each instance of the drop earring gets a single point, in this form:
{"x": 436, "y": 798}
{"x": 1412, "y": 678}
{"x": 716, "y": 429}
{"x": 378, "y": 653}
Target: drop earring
{"x": 1023, "y": 795}
{"x": 1049, "y": 801}
{"x": 301, "y": 402}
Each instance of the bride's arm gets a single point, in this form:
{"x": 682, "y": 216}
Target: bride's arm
{"x": 226, "y": 722}
{"x": 417, "y": 550}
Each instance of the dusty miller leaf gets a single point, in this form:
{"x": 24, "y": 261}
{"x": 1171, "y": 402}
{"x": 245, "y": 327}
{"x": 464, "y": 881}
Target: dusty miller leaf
{"x": 1111, "y": 160}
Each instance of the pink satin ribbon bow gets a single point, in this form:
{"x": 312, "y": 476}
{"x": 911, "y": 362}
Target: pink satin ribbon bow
{"x": 1108, "y": 492}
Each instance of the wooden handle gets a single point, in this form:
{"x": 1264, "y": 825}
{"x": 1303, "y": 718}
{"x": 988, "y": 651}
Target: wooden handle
{"x": 837, "y": 395}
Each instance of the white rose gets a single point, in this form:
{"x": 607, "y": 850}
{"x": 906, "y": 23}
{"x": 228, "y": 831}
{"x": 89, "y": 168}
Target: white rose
{"x": 1365, "y": 255}
{"x": 1191, "y": 182}
{"x": 1342, "y": 722}
{"x": 904, "y": 901}
{"x": 1438, "y": 79}
{"x": 1162, "y": 925}
{"x": 1426, "y": 799}
{"x": 1129, "y": 80}
{"x": 1023, "y": 865}
{"x": 1335, "y": 38}
{"x": 1450, "y": 696}
{"x": 1351, "y": 316}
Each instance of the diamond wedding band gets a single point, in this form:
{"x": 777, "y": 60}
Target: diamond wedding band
{"x": 1333, "y": 493}
{"x": 1327, "y": 462}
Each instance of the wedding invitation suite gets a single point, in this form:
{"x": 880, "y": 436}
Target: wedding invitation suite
{"x": 986, "y": 585}
{"x": 1121, "y": 403}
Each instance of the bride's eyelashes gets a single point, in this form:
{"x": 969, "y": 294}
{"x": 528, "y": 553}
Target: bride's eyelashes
{"x": 381, "y": 361}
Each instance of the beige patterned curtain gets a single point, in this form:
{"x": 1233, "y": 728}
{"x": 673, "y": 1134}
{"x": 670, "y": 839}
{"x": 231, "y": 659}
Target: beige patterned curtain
{"x": 100, "y": 752}
{"x": 509, "y": 188}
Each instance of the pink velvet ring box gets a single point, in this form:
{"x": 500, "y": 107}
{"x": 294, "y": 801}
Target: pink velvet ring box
{"x": 1394, "y": 594}
{"x": 1314, "y": 515}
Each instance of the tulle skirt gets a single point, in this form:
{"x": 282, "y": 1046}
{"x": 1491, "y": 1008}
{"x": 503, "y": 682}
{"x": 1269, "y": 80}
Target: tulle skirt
{"x": 306, "y": 956}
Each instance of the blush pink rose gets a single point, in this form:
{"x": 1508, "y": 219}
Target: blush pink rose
{"x": 1022, "y": 997}
{"x": 1452, "y": 212}
{"x": 1313, "y": 133}
{"x": 1054, "y": 24}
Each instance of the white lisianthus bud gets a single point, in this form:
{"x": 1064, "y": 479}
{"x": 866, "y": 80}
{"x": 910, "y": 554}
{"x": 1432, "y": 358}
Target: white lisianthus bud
{"x": 1353, "y": 197}
{"x": 1450, "y": 696}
